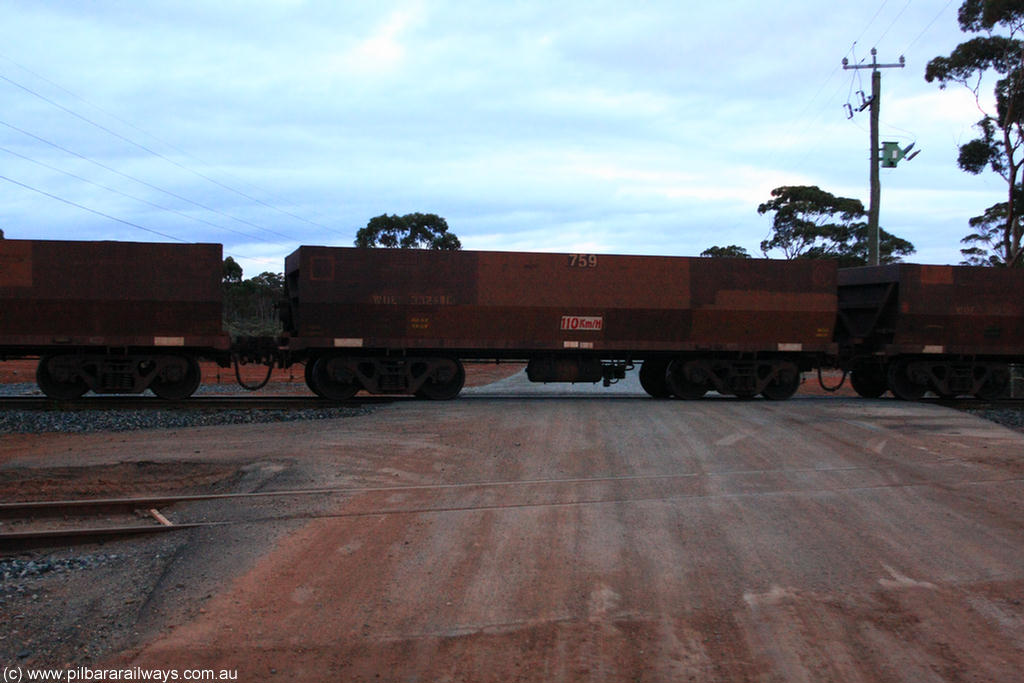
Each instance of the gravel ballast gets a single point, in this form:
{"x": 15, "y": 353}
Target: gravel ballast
{"x": 80, "y": 421}
{"x": 1008, "y": 417}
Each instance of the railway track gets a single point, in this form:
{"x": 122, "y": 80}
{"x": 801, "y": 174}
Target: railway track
{"x": 61, "y": 523}
{"x": 35, "y": 524}
{"x": 977, "y": 403}
{"x": 30, "y": 525}
{"x": 195, "y": 403}
{"x": 242, "y": 402}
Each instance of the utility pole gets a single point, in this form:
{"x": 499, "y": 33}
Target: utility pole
{"x": 876, "y": 187}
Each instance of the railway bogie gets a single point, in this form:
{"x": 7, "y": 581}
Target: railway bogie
{"x": 909, "y": 378}
{"x": 340, "y": 377}
{"x": 70, "y": 375}
{"x": 774, "y": 378}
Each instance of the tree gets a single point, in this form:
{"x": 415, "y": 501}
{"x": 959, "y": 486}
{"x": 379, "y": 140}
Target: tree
{"x": 411, "y": 231}
{"x": 250, "y": 306}
{"x": 983, "y": 245}
{"x": 854, "y": 251}
{"x": 232, "y": 272}
{"x": 1000, "y": 144}
{"x": 731, "y": 251}
{"x": 808, "y": 220}
{"x": 812, "y": 223}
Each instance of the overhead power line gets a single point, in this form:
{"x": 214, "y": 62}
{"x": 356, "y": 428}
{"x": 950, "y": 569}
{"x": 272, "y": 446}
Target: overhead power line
{"x": 871, "y": 20}
{"x": 143, "y": 182}
{"x": 130, "y": 196}
{"x": 812, "y": 119}
{"x": 147, "y": 149}
{"x": 926, "y": 28}
{"x": 91, "y": 210}
{"x": 120, "y": 220}
{"x": 892, "y": 23}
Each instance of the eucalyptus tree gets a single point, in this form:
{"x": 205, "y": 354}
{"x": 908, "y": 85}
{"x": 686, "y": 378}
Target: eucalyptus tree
{"x": 996, "y": 51}
{"x": 411, "y": 231}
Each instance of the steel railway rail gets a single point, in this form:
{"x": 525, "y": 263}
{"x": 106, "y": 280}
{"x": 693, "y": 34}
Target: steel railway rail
{"x": 28, "y": 519}
{"x": 60, "y": 523}
{"x": 969, "y": 403}
{"x": 312, "y": 402}
{"x": 195, "y": 403}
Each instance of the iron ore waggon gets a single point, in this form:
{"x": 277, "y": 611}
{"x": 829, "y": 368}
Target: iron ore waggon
{"x": 951, "y": 330}
{"x": 389, "y": 320}
{"x": 112, "y": 317}
{"x": 122, "y": 317}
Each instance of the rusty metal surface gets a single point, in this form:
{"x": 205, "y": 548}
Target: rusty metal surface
{"x": 110, "y": 293}
{"x": 941, "y": 309}
{"x": 529, "y": 301}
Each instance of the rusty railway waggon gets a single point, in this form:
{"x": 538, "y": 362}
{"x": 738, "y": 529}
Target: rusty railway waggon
{"x": 122, "y": 317}
{"x": 389, "y": 320}
{"x": 951, "y": 330}
{"x": 112, "y": 317}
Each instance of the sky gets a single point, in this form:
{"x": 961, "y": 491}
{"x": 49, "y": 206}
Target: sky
{"x": 594, "y": 127}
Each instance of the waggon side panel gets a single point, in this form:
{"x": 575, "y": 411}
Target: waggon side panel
{"x": 385, "y": 298}
{"x": 960, "y": 310}
{"x": 110, "y": 294}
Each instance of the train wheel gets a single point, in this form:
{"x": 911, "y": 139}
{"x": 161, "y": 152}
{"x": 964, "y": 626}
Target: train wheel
{"x": 682, "y": 386}
{"x": 996, "y": 385}
{"x": 902, "y": 384}
{"x": 868, "y": 381}
{"x": 62, "y": 389}
{"x": 785, "y": 384}
{"x": 174, "y": 383}
{"x": 446, "y": 385}
{"x": 332, "y": 380}
{"x": 308, "y": 373}
{"x": 652, "y": 378}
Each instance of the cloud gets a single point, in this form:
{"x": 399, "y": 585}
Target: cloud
{"x": 646, "y": 127}
{"x": 381, "y": 52}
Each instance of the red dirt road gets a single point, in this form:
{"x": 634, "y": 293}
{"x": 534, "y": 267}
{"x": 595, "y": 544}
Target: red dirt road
{"x": 623, "y": 539}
